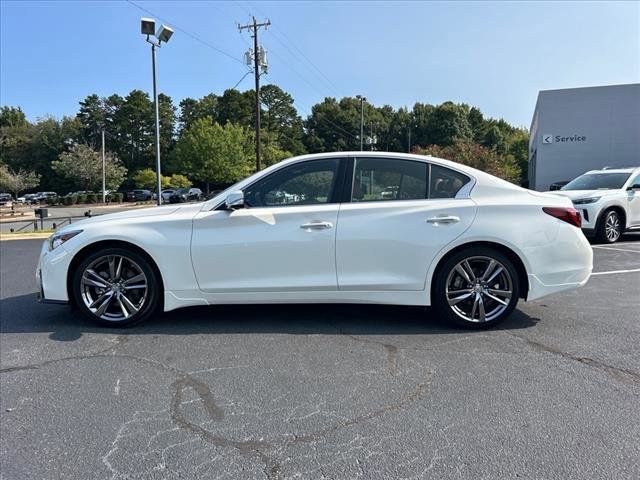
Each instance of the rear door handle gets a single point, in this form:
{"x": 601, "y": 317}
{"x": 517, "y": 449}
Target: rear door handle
{"x": 317, "y": 225}
{"x": 446, "y": 219}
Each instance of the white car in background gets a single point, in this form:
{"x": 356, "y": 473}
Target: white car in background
{"x": 608, "y": 200}
{"x": 450, "y": 236}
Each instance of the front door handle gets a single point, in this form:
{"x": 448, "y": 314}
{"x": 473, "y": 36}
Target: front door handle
{"x": 446, "y": 219}
{"x": 317, "y": 225}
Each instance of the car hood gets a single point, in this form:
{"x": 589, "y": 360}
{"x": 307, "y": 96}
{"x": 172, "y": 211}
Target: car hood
{"x": 133, "y": 213}
{"x": 576, "y": 194}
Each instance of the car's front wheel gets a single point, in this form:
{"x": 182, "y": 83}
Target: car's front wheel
{"x": 116, "y": 287}
{"x": 609, "y": 227}
{"x": 476, "y": 288}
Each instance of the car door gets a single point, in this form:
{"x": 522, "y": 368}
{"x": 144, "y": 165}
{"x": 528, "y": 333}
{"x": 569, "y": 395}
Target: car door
{"x": 634, "y": 202}
{"x": 401, "y": 214}
{"x": 284, "y": 238}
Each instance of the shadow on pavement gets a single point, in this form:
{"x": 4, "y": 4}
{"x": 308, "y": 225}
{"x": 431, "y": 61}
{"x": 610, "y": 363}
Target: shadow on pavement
{"x": 22, "y": 315}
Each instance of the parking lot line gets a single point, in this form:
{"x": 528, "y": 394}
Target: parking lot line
{"x": 616, "y": 271}
{"x": 617, "y": 249}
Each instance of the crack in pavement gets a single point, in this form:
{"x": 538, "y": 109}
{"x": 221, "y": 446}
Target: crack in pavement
{"x": 623, "y": 375}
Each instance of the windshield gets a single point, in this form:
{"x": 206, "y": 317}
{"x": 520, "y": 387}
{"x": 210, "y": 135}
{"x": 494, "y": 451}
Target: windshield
{"x": 597, "y": 181}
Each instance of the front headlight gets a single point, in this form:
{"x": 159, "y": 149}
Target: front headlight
{"x": 58, "y": 239}
{"x": 584, "y": 201}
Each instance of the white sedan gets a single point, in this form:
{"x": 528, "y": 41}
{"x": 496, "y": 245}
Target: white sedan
{"x": 449, "y": 235}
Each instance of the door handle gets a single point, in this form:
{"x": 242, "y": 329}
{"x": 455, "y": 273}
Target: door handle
{"x": 445, "y": 219}
{"x": 316, "y": 225}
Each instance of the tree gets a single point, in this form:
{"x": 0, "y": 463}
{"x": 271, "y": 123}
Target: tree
{"x": 17, "y": 181}
{"x": 448, "y": 122}
{"x": 146, "y": 178}
{"x": 83, "y": 166}
{"x": 179, "y": 181}
{"x": 281, "y": 121}
{"x": 212, "y": 153}
{"x": 469, "y": 153}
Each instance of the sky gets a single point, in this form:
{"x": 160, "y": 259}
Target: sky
{"x": 493, "y": 55}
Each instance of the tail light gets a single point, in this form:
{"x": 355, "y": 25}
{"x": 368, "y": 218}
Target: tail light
{"x": 566, "y": 214}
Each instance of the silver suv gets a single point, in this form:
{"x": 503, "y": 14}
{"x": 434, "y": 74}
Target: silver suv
{"x": 608, "y": 200}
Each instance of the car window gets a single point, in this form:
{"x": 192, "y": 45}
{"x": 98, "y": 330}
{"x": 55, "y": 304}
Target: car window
{"x": 635, "y": 181}
{"x": 597, "y": 181}
{"x": 385, "y": 179}
{"x": 445, "y": 183}
{"x": 307, "y": 183}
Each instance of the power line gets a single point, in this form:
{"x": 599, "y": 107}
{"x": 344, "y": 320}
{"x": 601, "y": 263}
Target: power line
{"x": 239, "y": 81}
{"x": 186, "y": 32}
{"x": 293, "y": 44}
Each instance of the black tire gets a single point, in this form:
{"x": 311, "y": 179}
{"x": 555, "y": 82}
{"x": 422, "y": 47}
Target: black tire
{"x": 135, "y": 264}
{"x": 478, "y": 259}
{"x": 609, "y": 227}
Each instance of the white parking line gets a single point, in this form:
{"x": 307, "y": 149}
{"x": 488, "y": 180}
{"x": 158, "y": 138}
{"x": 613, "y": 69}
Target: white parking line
{"x": 617, "y": 249}
{"x": 616, "y": 271}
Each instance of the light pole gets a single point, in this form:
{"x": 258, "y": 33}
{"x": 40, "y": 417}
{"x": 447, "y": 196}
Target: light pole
{"x": 104, "y": 173}
{"x": 147, "y": 27}
{"x": 362, "y": 100}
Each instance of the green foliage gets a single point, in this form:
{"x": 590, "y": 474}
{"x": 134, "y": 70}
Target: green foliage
{"x": 333, "y": 125}
{"x": 83, "y": 166}
{"x": 179, "y": 181}
{"x": 146, "y": 178}
{"x": 212, "y": 153}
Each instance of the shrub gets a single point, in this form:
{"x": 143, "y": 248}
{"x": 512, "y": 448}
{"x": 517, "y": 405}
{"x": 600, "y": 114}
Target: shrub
{"x": 81, "y": 198}
{"x": 93, "y": 198}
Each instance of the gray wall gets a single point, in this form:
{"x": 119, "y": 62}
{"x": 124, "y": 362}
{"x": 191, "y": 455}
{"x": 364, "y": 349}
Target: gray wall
{"x": 605, "y": 122}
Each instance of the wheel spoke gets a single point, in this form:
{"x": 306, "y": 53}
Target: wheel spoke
{"x": 475, "y": 306}
{"x": 504, "y": 293}
{"x": 482, "y": 314}
{"x": 490, "y": 267}
{"x": 118, "y": 271}
{"x": 112, "y": 267}
{"x": 499, "y": 300}
{"x": 459, "y": 298}
{"x": 90, "y": 277}
{"x": 463, "y": 273}
{"x": 104, "y": 305}
{"x": 124, "y": 301}
{"x": 135, "y": 279}
{"x": 468, "y": 268}
{"x": 495, "y": 273}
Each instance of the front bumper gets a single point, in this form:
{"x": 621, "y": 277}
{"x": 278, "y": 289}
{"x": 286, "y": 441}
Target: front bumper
{"x": 51, "y": 275}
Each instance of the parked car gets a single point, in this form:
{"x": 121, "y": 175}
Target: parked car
{"x": 185, "y": 195}
{"x": 27, "y": 199}
{"x": 557, "y": 185}
{"x": 6, "y": 200}
{"x": 139, "y": 195}
{"x": 608, "y": 200}
{"x": 43, "y": 197}
{"x": 454, "y": 247}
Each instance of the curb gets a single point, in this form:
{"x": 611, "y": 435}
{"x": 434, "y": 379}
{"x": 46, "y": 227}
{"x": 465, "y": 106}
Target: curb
{"x": 14, "y": 236}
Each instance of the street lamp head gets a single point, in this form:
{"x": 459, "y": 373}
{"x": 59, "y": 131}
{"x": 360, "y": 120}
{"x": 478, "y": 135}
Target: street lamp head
{"x": 147, "y": 26}
{"x": 164, "y": 33}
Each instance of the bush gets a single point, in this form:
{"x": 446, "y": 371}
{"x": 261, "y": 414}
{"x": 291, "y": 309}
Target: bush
{"x": 54, "y": 201}
{"x": 93, "y": 198}
{"x": 81, "y": 198}
{"x": 69, "y": 200}
{"x": 119, "y": 196}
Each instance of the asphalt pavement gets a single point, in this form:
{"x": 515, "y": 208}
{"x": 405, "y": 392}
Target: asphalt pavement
{"x": 321, "y": 391}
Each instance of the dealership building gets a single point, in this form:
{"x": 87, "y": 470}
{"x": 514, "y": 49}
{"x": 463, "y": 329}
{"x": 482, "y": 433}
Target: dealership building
{"x": 578, "y": 129}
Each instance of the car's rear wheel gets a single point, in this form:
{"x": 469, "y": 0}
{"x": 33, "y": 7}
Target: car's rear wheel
{"x": 609, "y": 227}
{"x": 116, "y": 287}
{"x": 476, "y": 288}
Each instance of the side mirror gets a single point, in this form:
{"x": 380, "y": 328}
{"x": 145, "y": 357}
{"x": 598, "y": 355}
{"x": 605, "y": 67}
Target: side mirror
{"x": 234, "y": 200}
{"x": 635, "y": 186}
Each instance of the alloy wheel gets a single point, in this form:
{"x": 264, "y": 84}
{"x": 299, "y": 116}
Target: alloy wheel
{"x": 479, "y": 289}
{"x": 114, "y": 287}
{"x": 612, "y": 227}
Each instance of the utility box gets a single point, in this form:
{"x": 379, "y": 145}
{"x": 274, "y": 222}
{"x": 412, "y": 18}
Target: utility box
{"x": 41, "y": 212}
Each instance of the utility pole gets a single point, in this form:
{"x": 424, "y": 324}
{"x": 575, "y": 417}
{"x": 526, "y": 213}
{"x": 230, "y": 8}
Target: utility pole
{"x": 362, "y": 100}
{"x": 104, "y": 173}
{"x": 257, "y": 62}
